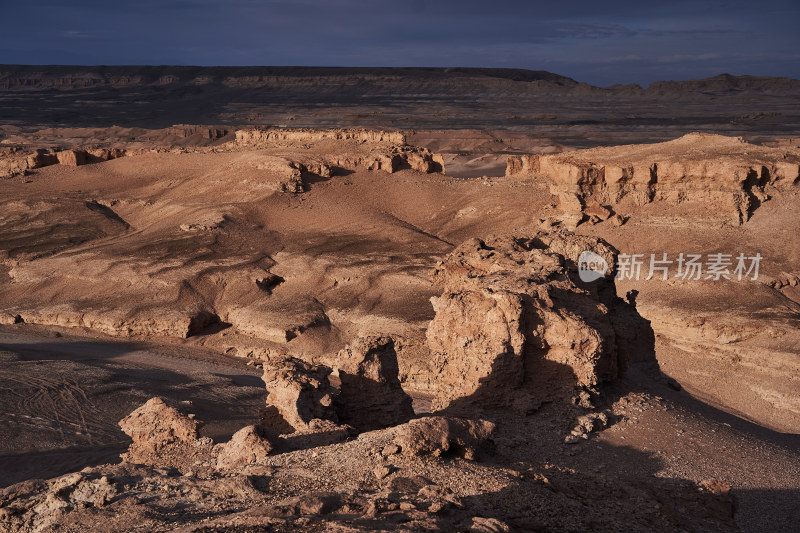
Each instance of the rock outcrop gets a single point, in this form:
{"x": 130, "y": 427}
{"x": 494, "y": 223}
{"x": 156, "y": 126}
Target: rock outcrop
{"x": 515, "y": 314}
{"x": 724, "y": 173}
{"x": 368, "y": 149}
{"x": 278, "y": 323}
{"x": 249, "y": 445}
{"x": 9, "y": 318}
{"x": 72, "y": 158}
{"x": 260, "y": 137}
{"x": 155, "y": 425}
{"x": 192, "y": 130}
{"x": 15, "y": 161}
{"x": 292, "y": 174}
{"x": 163, "y": 436}
{"x": 438, "y": 436}
{"x": 299, "y": 392}
{"x": 19, "y": 163}
{"x": 166, "y": 322}
{"x": 393, "y": 159}
{"x": 370, "y": 394}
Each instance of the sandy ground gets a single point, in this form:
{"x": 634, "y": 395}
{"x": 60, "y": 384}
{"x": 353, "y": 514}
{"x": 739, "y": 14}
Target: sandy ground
{"x": 63, "y": 396}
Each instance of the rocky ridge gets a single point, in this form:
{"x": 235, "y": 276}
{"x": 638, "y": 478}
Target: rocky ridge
{"x": 720, "y": 172}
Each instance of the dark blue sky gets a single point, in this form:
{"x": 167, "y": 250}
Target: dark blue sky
{"x": 600, "y": 42}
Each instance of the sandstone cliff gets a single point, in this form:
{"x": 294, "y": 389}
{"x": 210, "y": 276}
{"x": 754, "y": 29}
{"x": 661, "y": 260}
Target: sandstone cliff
{"x": 724, "y": 173}
{"x": 371, "y": 149}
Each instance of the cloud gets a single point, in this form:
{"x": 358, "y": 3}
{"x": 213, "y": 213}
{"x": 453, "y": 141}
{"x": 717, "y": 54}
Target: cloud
{"x": 85, "y": 34}
{"x": 588, "y": 30}
{"x": 677, "y": 58}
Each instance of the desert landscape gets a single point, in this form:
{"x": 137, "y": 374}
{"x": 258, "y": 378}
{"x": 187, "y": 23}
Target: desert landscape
{"x": 415, "y": 299}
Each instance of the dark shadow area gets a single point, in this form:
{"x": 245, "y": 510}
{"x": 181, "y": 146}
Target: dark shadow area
{"x": 767, "y": 509}
{"x": 757, "y": 510}
{"x": 631, "y": 296}
{"x": 62, "y": 400}
{"x": 436, "y": 167}
{"x": 44, "y": 464}
{"x": 309, "y": 179}
{"x": 635, "y": 338}
{"x": 305, "y": 441}
{"x": 593, "y": 485}
{"x": 205, "y": 323}
{"x": 754, "y": 189}
{"x": 402, "y": 164}
{"x": 244, "y": 380}
{"x": 106, "y": 212}
{"x": 370, "y": 394}
{"x": 214, "y": 327}
{"x": 566, "y": 497}
{"x": 341, "y": 171}
{"x": 269, "y": 283}
{"x": 494, "y": 171}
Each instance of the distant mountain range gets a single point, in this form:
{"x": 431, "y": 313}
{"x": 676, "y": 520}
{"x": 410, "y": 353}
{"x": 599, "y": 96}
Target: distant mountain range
{"x": 22, "y": 77}
{"x": 533, "y": 102}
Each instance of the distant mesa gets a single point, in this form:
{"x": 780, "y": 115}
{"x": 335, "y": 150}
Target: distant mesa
{"x": 75, "y": 77}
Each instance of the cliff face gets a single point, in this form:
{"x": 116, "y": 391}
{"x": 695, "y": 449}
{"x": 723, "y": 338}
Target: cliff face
{"x": 724, "y": 173}
{"x": 377, "y": 150}
{"x": 256, "y": 137}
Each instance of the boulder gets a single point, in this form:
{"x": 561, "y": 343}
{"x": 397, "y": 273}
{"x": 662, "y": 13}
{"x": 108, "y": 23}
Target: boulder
{"x": 72, "y": 158}
{"x": 596, "y": 210}
{"x": 477, "y": 340}
{"x": 155, "y": 424}
{"x": 42, "y": 158}
{"x": 438, "y": 435}
{"x": 164, "y": 437}
{"x": 249, "y": 445}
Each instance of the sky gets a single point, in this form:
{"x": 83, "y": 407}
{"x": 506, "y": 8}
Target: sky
{"x": 595, "y": 41}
